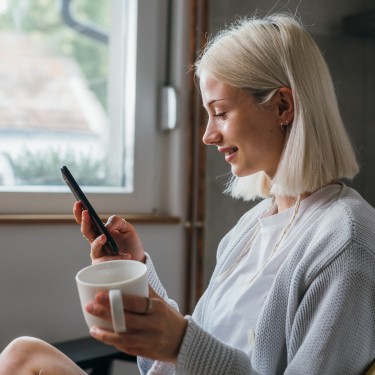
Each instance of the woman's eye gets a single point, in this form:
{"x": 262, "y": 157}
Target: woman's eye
{"x": 221, "y": 114}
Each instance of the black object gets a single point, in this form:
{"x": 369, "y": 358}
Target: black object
{"x": 89, "y": 353}
{"x": 361, "y": 25}
{"x": 89, "y": 30}
{"x": 110, "y": 246}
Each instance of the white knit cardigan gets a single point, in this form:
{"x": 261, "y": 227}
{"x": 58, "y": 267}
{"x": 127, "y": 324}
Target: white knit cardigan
{"x": 319, "y": 317}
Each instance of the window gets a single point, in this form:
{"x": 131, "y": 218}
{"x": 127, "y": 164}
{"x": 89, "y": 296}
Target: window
{"x": 79, "y": 85}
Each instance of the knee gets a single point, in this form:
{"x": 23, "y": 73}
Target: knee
{"x": 20, "y": 350}
{"x": 24, "y": 344}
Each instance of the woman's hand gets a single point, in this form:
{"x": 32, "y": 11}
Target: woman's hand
{"x": 122, "y": 232}
{"x": 154, "y": 333}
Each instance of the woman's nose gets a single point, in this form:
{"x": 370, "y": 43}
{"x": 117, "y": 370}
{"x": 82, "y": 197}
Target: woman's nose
{"x": 212, "y": 135}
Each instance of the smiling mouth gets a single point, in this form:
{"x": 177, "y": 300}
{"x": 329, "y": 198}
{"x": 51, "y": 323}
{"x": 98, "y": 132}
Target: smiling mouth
{"x": 233, "y": 150}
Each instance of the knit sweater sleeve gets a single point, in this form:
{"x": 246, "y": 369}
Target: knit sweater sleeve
{"x": 201, "y": 353}
{"x": 145, "y": 365}
{"x": 196, "y": 339}
{"x": 324, "y": 337}
{"x": 325, "y": 324}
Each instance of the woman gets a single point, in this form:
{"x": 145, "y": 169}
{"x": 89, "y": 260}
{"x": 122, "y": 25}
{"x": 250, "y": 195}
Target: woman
{"x": 293, "y": 289}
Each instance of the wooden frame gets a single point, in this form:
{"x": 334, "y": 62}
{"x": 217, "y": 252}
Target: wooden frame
{"x": 196, "y": 163}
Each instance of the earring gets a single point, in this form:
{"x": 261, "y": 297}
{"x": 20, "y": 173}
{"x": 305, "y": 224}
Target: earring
{"x": 284, "y": 126}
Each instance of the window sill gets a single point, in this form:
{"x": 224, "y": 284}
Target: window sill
{"x": 69, "y": 219}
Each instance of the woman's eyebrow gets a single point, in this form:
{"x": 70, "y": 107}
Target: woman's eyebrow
{"x": 214, "y": 101}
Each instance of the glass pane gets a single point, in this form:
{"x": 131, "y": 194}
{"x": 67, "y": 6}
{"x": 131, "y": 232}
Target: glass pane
{"x": 54, "y": 93}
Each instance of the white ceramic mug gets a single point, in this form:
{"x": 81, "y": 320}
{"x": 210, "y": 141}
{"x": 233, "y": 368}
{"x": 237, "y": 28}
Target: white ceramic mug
{"x": 118, "y": 277}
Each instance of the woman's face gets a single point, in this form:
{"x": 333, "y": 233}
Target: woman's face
{"x": 248, "y": 136}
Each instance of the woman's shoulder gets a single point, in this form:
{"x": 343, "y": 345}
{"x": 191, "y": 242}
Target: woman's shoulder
{"x": 347, "y": 228}
{"x": 354, "y": 215}
{"x": 352, "y": 199}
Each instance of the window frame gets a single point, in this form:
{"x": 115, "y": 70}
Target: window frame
{"x": 149, "y": 151}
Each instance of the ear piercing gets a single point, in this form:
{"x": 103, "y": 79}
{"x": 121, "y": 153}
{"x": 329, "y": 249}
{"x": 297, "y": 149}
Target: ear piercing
{"x": 284, "y": 126}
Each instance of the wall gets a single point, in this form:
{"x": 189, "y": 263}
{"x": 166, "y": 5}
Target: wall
{"x": 351, "y": 61}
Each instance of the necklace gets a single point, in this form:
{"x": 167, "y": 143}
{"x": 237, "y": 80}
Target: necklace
{"x": 248, "y": 246}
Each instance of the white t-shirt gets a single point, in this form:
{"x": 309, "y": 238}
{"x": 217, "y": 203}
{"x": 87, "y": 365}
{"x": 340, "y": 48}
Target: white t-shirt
{"x": 238, "y": 298}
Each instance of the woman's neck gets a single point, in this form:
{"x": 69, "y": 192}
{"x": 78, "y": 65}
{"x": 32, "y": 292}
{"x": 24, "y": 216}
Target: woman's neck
{"x": 284, "y": 202}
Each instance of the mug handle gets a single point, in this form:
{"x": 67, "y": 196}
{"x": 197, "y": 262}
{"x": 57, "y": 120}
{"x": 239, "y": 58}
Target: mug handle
{"x": 117, "y": 311}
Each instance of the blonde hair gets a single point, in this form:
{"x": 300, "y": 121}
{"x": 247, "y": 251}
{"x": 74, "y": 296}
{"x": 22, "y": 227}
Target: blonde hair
{"x": 262, "y": 55}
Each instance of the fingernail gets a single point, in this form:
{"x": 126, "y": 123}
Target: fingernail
{"x": 93, "y": 331}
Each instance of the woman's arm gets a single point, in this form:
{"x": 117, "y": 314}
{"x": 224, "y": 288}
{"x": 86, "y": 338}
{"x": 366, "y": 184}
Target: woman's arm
{"x": 201, "y": 353}
{"x": 320, "y": 316}
{"x": 333, "y": 329}
{"x": 147, "y": 365}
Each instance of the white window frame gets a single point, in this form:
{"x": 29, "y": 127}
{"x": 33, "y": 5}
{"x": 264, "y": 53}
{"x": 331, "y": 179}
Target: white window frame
{"x": 149, "y": 152}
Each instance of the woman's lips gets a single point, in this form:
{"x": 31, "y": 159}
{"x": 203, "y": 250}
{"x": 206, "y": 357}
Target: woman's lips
{"x": 231, "y": 151}
{"x": 230, "y": 154}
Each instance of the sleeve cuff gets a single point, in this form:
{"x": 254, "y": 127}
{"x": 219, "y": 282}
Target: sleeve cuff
{"x": 201, "y": 353}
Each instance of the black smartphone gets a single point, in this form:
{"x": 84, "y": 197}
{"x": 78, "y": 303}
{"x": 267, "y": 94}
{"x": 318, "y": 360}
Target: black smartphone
{"x": 110, "y": 246}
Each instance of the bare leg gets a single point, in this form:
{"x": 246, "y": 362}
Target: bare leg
{"x": 30, "y": 356}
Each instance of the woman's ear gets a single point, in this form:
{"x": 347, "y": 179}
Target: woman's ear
{"x": 285, "y": 105}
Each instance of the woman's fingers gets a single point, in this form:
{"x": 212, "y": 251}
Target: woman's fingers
{"x": 87, "y": 228}
{"x": 96, "y": 243}
{"x": 132, "y": 343}
{"x": 99, "y": 310}
{"x": 123, "y": 233}
{"x": 82, "y": 217}
{"x": 77, "y": 212}
{"x": 97, "y": 255}
{"x": 135, "y": 309}
{"x": 132, "y": 304}
{"x": 116, "y": 223}
{"x": 97, "y": 247}
{"x": 126, "y": 237}
{"x": 154, "y": 329}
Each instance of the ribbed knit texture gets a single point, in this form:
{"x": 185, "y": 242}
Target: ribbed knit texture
{"x": 319, "y": 317}
{"x": 146, "y": 365}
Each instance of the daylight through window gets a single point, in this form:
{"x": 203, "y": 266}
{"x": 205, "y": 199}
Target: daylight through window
{"x": 61, "y": 64}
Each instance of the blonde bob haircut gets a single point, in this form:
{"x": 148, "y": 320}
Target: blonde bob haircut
{"x": 261, "y": 55}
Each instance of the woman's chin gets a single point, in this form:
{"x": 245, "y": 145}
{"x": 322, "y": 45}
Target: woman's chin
{"x": 247, "y": 173}
{"x": 241, "y": 173}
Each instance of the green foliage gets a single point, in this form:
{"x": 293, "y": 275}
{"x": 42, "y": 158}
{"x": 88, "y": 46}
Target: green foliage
{"x": 93, "y": 11}
{"x": 43, "y": 167}
{"x": 93, "y": 59}
{"x": 41, "y": 18}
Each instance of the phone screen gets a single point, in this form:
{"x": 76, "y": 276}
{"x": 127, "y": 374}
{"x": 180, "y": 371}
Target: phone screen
{"x": 110, "y": 246}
